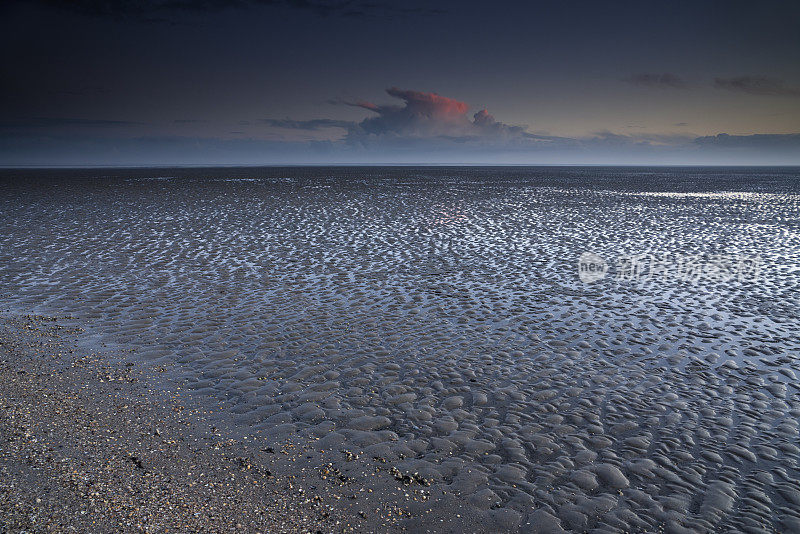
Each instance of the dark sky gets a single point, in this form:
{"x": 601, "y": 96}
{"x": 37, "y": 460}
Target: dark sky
{"x": 259, "y": 82}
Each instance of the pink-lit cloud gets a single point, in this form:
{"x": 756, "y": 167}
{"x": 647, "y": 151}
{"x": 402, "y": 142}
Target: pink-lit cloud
{"x": 429, "y": 115}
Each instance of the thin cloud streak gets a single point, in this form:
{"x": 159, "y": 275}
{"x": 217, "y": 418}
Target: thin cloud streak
{"x": 754, "y": 141}
{"x": 314, "y": 124}
{"x": 664, "y": 80}
{"x": 50, "y": 122}
{"x": 757, "y": 85}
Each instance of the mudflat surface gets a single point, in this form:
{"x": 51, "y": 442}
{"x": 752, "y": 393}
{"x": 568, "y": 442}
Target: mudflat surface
{"x": 432, "y": 321}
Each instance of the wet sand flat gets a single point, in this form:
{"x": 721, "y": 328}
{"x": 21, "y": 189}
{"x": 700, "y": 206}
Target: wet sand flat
{"x": 89, "y": 446}
{"x": 429, "y": 326}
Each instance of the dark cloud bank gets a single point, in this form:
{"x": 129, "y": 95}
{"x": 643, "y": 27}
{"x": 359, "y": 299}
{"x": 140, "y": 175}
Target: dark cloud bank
{"x": 421, "y": 127}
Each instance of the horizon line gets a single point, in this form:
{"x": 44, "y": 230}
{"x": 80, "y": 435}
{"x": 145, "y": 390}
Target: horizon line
{"x": 434, "y": 165}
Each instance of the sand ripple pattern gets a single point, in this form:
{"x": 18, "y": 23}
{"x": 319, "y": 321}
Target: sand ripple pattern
{"x": 434, "y": 317}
